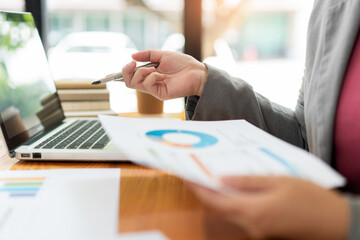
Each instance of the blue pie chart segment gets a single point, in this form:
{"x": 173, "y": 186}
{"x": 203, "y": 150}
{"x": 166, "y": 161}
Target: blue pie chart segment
{"x": 205, "y": 140}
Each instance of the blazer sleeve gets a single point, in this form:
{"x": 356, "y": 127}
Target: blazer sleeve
{"x": 225, "y": 97}
{"x": 354, "y": 232}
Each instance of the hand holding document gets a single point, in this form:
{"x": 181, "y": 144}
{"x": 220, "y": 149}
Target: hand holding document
{"x": 203, "y": 152}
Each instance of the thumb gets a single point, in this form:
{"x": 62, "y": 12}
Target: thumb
{"x": 249, "y": 183}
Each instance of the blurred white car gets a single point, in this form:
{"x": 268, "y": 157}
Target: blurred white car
{"x": 90, "y": 55}
{"x": 174, "y": 42}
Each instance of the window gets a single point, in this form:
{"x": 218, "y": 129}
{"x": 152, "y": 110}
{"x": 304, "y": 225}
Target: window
{"x": 264, "y": 36}
{"x": 135, "y": 25}
{"x": 13, "y": 5}
{"x": 260, "y": 41}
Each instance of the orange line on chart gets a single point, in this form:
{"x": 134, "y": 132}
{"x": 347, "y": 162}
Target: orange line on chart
{"x": 23, "y": 179}
{"x": 196, "y": 159}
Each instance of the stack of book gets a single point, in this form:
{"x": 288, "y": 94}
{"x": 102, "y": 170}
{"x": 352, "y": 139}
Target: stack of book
{"x": 81, "y": 99}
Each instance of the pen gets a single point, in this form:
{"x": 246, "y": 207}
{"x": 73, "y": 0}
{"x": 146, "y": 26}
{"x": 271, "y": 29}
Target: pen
{"x": 119, "y": 76}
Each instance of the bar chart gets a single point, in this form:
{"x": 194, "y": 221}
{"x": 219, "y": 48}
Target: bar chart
{"x": 21, "y": 187}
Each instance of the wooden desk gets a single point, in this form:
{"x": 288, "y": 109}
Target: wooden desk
{"x": 150, "y": 200}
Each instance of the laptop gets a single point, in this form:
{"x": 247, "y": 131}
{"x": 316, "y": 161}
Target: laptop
{"x": 33, "y": 126}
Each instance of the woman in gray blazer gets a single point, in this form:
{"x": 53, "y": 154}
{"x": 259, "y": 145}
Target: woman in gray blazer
{"x": 279, "y": 207}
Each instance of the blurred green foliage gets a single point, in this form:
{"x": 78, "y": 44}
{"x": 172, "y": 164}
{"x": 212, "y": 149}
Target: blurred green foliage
{"x": 13, "y": 37}
{"x": 11, "y": 40}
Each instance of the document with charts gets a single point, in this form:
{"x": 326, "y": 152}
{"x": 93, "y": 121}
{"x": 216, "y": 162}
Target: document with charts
{"x": 202, "y": 151}
{"x": 59, "y": 204}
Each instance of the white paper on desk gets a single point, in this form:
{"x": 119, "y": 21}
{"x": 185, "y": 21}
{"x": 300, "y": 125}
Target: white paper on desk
{"x": 143, "y": 235}
{"x": 69, "y": 204}
{"x": 202, "y": 151}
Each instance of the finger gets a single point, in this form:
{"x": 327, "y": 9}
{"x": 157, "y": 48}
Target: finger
{"x": 140, "y": 75}
{"x": 234, "y": 207}
{"x": 155, "y": 85}
{"x": 214, "y": 200}
{"x": 250, "y": 183}
{"x": 127, "y": 71}
{"x": 148, "y": 56}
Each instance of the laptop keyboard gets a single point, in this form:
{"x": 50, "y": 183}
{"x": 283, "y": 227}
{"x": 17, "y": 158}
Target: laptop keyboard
{"x": 82, "y": 134}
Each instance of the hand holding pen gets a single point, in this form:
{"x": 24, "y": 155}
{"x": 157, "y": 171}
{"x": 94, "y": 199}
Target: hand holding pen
{"x": 175, "y": 75}
{"x": 119, "y": 76}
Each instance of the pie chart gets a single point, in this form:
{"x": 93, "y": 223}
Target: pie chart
{"x": 182, "y": 138}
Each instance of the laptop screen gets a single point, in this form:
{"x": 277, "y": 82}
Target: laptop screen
{"x": 28, "y": 99}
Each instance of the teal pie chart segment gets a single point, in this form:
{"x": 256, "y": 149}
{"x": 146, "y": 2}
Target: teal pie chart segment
{"x": 205, "y": 140}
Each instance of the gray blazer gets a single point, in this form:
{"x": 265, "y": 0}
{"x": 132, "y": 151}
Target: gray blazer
{"x": 332, "y": 32}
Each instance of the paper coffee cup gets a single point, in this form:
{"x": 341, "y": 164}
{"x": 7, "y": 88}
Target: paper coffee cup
{"x": 148, "y": 104}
